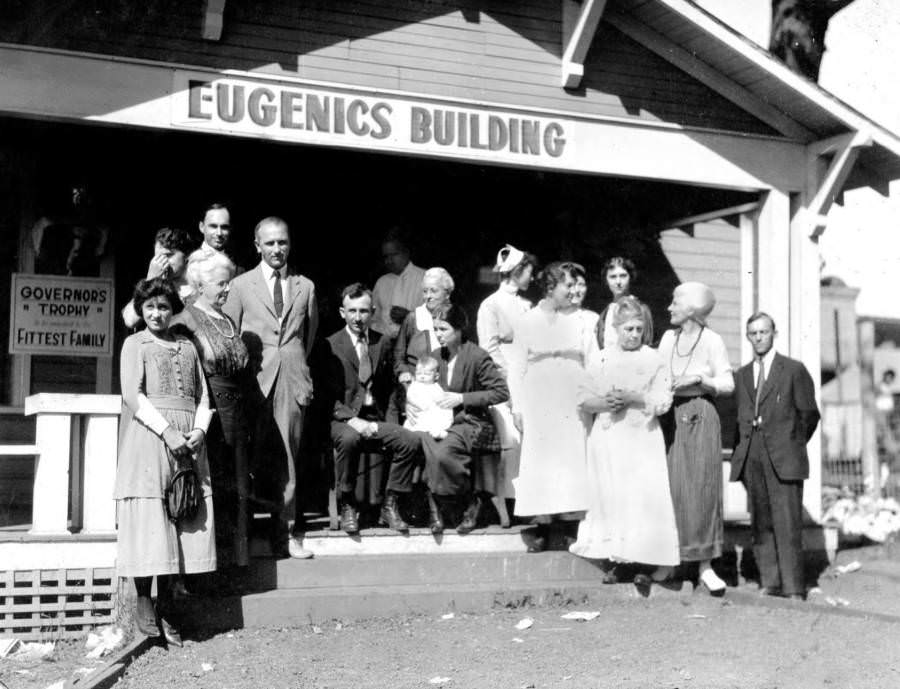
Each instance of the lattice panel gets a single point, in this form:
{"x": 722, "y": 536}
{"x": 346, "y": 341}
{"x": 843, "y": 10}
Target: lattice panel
{"x": 51, "y": 604}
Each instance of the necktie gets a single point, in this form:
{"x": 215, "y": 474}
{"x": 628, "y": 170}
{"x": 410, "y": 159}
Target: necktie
{"x": 760, "y": 379}
{"x": 365, "y": 363}
{"x": 277, "y": 295}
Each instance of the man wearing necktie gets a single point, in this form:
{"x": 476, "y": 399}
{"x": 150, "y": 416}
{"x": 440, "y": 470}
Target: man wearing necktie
{"x": 776, "y": 416}
{"x": 360, "y": 382}
{"x": 275, "y": 309}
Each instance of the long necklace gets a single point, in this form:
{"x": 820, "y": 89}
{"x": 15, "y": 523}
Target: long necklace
{"x": 225, "y": 319}
{"x": 689, "y": 355}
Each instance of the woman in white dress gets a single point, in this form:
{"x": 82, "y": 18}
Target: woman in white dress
{"x": 630, "y": 517}
{"x": 496, "y": 317}
{"x": 546, "y": 365}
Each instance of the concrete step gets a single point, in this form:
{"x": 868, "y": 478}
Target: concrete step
{"x": 317, "y": 605}
{"x": 445, "y": 569}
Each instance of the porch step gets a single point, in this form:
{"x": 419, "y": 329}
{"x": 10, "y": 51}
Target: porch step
{"x": 315, "y": 591}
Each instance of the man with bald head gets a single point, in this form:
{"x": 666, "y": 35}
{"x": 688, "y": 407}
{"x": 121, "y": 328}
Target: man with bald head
{"x": 398, "y": 291}
{"x": 276, "y": 313}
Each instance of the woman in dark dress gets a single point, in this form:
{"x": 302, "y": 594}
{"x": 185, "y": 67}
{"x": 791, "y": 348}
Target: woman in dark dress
{"x": 224, "y": 358}
{"x": 620, "y": 275}
{"x": 473, "y": 384}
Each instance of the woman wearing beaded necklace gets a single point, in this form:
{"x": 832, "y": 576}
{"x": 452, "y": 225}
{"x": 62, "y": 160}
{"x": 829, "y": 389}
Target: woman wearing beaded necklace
{"x": 700, "y": 371}
{"x": 224, "y": 358}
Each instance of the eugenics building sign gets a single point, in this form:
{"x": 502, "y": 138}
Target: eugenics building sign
{"x": 329, "y": 116}
{"x": 50, "y": 314}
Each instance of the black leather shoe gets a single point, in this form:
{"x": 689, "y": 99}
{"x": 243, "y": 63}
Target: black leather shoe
{"x": 349, "y": 520}
{"x": 145, "y": 617}
{"x": 173, "y": 636}
{"x": 390, "y": 514}
{"x": 470, "y": 517}
{"x": 769, "y": 591}
{"x": 643, "y": 583}
{"x": 435, "y": 521}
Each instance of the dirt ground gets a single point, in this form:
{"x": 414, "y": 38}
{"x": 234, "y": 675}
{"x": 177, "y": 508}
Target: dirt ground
{"x": 668, "y": 641}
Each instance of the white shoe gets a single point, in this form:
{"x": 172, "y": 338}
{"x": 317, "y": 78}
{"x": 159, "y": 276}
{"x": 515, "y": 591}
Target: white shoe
{"x": 712, "y": 582}
{"x": 297, "y": 551}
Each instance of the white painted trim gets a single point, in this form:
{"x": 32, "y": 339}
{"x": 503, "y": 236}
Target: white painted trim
{"x": 68, "y": 403}
{"x": 472, "y": 102}
{"x": 763, "y": 59}
{"x": 718, "y": 82}
{"x": 579, "y": 41}
{"x": 27, "y": 555}
{"x": 18, "y": 450}
{"x": 814, "y": 216}
{"x": 213, "y": 19}
{"x": 712, "y": 215}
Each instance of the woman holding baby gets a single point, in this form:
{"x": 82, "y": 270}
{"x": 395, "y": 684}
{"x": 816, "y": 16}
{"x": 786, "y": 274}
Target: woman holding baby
{"x": 472, "y": 384}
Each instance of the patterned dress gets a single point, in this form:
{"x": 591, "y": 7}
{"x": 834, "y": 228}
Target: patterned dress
{"x": 224, "y": 358}
{"x": 162, "y": 385}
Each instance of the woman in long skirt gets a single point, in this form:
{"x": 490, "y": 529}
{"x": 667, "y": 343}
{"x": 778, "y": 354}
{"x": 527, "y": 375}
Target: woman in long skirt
{"x": 630, "y": 517}
{"x": 700, "y": 371}
{"x": 550, "y": 346}
{"x": 163, "y": 427}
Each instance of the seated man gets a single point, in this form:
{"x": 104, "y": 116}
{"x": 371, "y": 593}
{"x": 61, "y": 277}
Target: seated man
{"x": 360, "y": 379}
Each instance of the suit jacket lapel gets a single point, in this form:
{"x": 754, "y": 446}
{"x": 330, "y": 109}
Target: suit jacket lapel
{"x": 348, "y": 350}
{"x": 749, "y": 383}
{"x": 772, "y": 376}
{"x": 291, "y": 289}
{"x": 262, "y": 290}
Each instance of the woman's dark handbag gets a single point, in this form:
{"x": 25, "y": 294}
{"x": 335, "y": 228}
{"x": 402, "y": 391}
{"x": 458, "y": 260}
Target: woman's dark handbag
{"x": 184, "y": 494}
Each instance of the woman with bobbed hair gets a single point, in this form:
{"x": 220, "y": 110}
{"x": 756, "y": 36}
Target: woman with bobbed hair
{"x": 416, "y": 337}
{"x": 497, "y": 315}
{"x": 165, "y": 417}
{"x": 225, "y": 362}
{"x": 551, "y": 344}
{"x": 620, "y": 274}
{"x": 700, "y": 372}
{"x": 472, "y": 385}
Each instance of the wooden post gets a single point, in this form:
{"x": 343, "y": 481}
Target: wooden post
{"x": 870, "y": 467}
{"x": 100, "y": 446}
{"x": 51, "y": 477}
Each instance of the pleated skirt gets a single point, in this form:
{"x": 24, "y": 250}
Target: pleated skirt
{"x": 694, "y": 455}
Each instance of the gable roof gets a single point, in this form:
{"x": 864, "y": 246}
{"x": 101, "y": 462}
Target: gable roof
{"x": 817, "y": 113}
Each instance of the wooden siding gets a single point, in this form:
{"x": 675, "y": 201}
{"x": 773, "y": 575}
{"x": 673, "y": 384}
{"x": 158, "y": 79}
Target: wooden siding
{"x": 504, "y": 52}
{"x": 712, "y": 255}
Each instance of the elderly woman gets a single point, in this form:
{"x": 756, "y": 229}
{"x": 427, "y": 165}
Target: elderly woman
{"x": 496, "y": 317}
{"x": 472, "y": 384}
{"x": 416, "y": 337}
{"x": 700, "y": 372}
{"x": 224, "y": 358}
{"x": 620, "y": 274}
{"x": 165, "y": 418}
{"x": 551, "y": 344}
{"x": 630, "y": 518}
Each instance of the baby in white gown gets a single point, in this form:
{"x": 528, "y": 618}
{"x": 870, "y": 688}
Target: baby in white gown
{"x": 422, "y": 397}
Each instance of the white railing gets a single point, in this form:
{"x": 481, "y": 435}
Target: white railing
{"x": 76, "y": 439}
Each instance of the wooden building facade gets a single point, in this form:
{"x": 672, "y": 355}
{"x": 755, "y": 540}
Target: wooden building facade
{"x": 572, "y": 129}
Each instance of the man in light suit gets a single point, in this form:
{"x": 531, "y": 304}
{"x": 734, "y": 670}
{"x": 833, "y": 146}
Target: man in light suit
{"x": 360, "y": 381}
{"x": 776, "y": 416}
{"x": 275, "y": 309}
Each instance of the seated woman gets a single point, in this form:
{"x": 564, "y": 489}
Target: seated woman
{"x": 163, "y": 427}
{"x": 630, "y": 517}
{"x": 473, "y": 384}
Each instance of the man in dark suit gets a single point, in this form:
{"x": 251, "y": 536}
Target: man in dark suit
{"x": 360, "y": 380}
{"x": 776, "y": 416}
{"x": 275, "y": 310}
